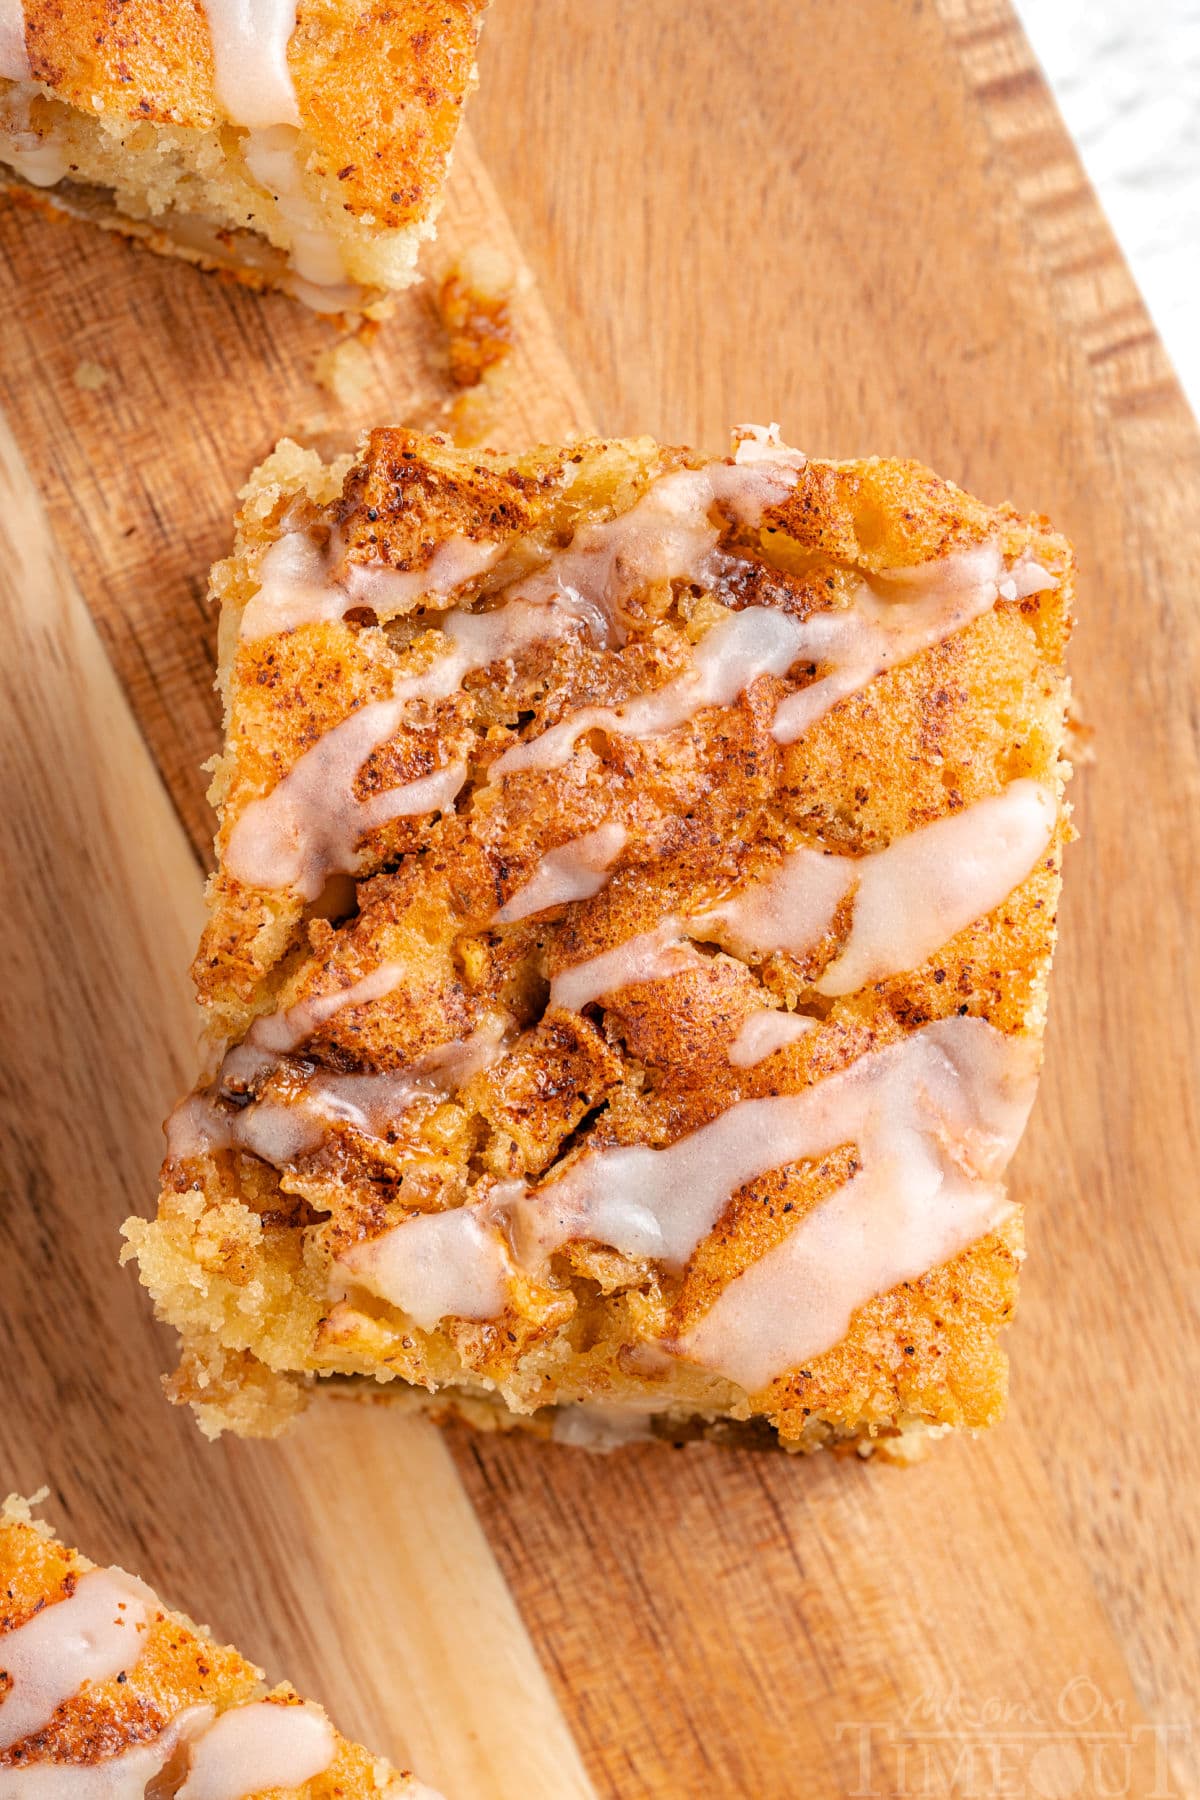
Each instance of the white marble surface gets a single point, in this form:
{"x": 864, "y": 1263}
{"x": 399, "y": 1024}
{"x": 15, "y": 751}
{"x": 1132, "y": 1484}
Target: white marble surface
{"x": 1126, "y": 74}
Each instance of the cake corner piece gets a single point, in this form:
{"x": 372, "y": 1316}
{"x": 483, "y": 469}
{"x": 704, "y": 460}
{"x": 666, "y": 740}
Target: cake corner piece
{"x": 109, "y": 1692}
{"x": 304, "y": 149}
{"x": 628, "y": 952}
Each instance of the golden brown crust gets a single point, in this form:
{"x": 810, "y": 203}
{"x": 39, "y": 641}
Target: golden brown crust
{"x": 380, "y": 84}
{"x": 381, "y": 88}
{"x": 138, "y": 60}
{"x": 179, "y": 1665}
{"x": 703, "y": 809}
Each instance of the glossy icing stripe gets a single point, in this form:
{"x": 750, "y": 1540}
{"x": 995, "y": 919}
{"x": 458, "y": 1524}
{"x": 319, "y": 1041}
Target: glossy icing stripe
{"x": 891, "y": 619}
{"x": 301, "y": 583}
{"x": 729, "y": 659}
{"x": 907, "y": 900}
{"x": 667, "y": 535}
{"x": 287, "y": 1030}
{"x": 925, "y": 888}
{"x": 250, "y": 1748}
{"x": 14, "y": 57}
{"x": 312, "y": 822}
{"x": 254, "y": 88}
{"x": 650, "y": 956}
{"x": 577, "y": 870}
{"x": 122, "y": 1777}
{"x": 291, "y": 837}
{"x": 234, "y": 1755}
{"x": 92, "y": 1635}
{"x": 766, "y": 1031}
{"x": 436, "y": 1265}
{"x": 250, "y": 41}
{"x": 935, "y": 1118}
{"x": 888, "y": 621}
{"x": 280, "y": 1129}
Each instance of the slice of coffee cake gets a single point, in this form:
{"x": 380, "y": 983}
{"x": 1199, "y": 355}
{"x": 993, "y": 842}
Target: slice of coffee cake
{"x": 108, "y": 1695}
{"x": 293, "y": 144}
{"x": 627, "y": 957}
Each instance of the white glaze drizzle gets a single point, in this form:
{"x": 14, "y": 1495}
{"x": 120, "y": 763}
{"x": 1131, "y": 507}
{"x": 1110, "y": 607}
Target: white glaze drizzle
{"x": 371, "y": 1102}
{"x": 279, "y": 1134}
{"x": 1024, "y": 578}
{"x": 37, "y": 156}
{"x": 287, "y": 1030}
{"x": 96, "y": 1634}
{"x": 577, "y": 870}
{"x": 891, "y": 619}
{"x": 311, "y": 823}
{"x": 121, "y": 1777}
{"x": 230, "y": 1756}
{"x": 14, "y": 57}
{"x": 280, "y": 1129}
{"x": 257, "y": 1746}
{"x": 436, "y": 1265}
{"x": 935, "y": 1119}
{"x": 250, "y": 41}
{"x": 927, "y": 887}
{"x": 92, "y": 1635}
{"x": 667, "y": 535}
{"x": 790, "y": 908}
{"x": 759, "y": 640}
{"x": 930, "y": 1186}
{"x": 650, "y": 956}
{"x": 254, "y": 88}
{"x": 762, "y": 443}
{"x": 302, "y": 584}
{"x": 272, "y": 157}
{"x": 909, "y": 899}
{"x": 766, "y": 1030}
{"x": 943, "y": 1087}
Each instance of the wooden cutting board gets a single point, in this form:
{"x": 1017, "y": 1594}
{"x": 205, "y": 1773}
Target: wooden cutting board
{"x": 864, "y": 221}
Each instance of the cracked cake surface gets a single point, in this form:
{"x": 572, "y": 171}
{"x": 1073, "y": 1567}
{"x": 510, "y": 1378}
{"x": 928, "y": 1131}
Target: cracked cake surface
{"x": 626, "y": 961}
{"x": 108, "y": 1694}
{"x": 301, "y": 146}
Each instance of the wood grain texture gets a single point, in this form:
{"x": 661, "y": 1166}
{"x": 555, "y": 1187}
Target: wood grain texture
{"x": 867, "y": 222}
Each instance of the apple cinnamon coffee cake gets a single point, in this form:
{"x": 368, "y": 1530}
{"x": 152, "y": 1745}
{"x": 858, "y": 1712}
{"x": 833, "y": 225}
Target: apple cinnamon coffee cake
{"x": 294, "y": 144}
{"x": 107, "y": 1695}
{"x": 626, "y": 964}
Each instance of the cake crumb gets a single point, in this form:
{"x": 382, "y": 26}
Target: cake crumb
{"x": 344, "y": 370}
{"x": 91, "y": 377}
{"x": 474, "y": 304}
{"x": 1081, "y": 736}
